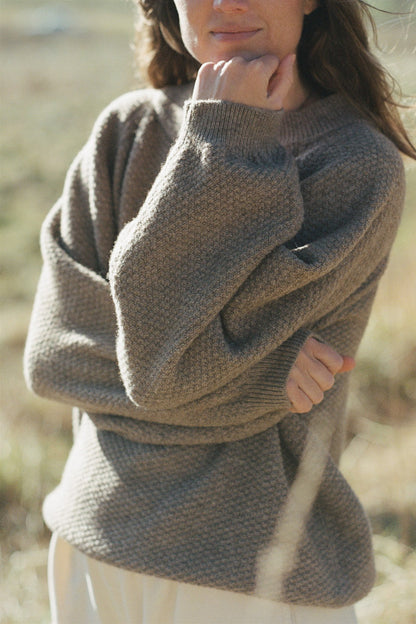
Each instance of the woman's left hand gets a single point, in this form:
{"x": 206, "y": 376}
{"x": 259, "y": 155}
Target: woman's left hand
{"x": 313, "y": 373}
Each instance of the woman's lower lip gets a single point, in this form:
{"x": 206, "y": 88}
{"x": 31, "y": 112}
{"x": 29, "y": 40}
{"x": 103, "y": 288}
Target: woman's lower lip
{"x": 234, "y": 36}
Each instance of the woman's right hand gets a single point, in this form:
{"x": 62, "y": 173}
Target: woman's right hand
{"x": 263, "y": 82}
{"x": 313, "y": 373}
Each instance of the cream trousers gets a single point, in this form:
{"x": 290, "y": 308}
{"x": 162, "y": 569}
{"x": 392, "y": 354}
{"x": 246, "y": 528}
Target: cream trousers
{"x": 85, "y": 591}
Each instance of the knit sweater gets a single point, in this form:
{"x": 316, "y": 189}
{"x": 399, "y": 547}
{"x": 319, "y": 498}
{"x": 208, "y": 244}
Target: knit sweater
{"x": 195, "y": 247}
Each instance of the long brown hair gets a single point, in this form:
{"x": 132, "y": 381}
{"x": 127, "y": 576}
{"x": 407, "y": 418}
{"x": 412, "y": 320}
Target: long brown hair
{"x": 333, "y": 56}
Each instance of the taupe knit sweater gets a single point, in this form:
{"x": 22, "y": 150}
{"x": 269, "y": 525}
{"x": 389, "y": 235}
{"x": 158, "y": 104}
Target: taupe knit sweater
{"x": 194, "y": 249}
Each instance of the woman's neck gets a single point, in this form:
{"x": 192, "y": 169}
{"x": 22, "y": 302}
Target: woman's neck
{"x": 299, "y": 96}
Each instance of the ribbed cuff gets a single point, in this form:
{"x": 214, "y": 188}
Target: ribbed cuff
{"x": 241, "y": 127}
{"x": 269, "y": 385}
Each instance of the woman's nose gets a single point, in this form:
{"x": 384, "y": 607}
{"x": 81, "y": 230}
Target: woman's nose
{"x": 230, "y": 6}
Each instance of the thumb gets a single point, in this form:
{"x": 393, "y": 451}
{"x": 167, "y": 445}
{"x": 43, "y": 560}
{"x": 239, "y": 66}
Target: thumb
{"x": 281, "y": 81}
{"x": 347, "y": 365}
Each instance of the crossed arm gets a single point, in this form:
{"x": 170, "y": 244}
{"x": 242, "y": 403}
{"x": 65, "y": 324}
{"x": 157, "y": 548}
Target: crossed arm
{"x": 266, "y": 82}
{"x": 159, "y": 335}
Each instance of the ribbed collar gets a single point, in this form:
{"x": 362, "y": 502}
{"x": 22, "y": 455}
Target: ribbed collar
{"x": 295, "y": 127}
{"x": 318, "y": 118}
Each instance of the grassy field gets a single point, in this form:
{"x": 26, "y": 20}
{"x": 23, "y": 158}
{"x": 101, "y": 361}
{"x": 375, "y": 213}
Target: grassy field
{"x": 62, "y": 63}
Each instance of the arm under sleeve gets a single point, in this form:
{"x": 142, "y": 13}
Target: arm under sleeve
{"x": 70, "y": 352}
{"x": 205, "y": 286}
{"x": 210, "y": 304}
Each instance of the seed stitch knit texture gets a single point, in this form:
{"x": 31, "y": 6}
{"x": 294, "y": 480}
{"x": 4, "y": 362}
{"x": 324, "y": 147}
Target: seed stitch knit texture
{"x": 195, "y": 247}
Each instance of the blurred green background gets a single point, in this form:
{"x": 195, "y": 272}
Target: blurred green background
{"x": 61, "y": 63}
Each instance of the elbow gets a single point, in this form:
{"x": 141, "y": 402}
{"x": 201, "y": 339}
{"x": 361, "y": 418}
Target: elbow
{"x": 146, "y": 381}
{"x": 142, "y": 396}
{"x": 144, "y": 391}
{"x": 34, "y": 382}
{"x": 34, "y": 378}
{"x": 36, "y": 371}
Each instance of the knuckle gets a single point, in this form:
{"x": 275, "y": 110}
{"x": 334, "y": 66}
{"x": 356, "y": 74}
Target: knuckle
{"x": 218, "y": 65}
{"x": 237, "y": 60}
{"x": 314, "y": 342}
{"x": 291, "y": 387}
{"x": 290, "y": 383}
{"x": 337, "y": 361}
{"x": 310, "y": 346}
{"x": 302, "y": 359}
{"x": 257, "y": 64}
{"x": 328, "y": 382}
{"x": 205, "y": 69}
{"x": 301, "y": 403}
{"x": 304, "y": 405}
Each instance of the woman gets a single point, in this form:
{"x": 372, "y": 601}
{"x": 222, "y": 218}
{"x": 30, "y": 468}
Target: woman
{"x": 208, "y": 272}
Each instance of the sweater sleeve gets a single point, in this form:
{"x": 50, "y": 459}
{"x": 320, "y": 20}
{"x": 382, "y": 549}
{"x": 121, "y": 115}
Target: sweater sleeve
{"x": 205, "y": 284}
{"x": 70, "y": 352}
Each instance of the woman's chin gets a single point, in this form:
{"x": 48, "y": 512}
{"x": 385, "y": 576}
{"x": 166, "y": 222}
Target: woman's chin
{"x": 227, "y": 55}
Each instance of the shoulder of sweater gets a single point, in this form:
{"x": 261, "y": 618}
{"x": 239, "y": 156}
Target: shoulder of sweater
{"x": 380, "y": 161}
{"x": 125, "y": 113}
{"x": 358, "y": 149}
{"x": 370, "y": 147}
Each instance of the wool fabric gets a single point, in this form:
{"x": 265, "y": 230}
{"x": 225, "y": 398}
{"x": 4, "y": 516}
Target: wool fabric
{"x": 195, "y": 247}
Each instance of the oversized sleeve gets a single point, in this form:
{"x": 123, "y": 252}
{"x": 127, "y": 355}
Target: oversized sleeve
{"x": 206, "y": 281}
{"x": 70, "y": 351}
{"x": 70, "y": 354}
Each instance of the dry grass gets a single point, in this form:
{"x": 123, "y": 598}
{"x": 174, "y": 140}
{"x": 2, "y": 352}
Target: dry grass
{"x": 53, "y": 87}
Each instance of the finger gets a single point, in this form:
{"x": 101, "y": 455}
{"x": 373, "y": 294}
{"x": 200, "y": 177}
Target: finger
{"x": 205, "y": 76}
{"x": 307, "y": 384}
{"x": 327, "y": 355}
{"x": 311, "y": 367}
{"x": 262, "y": 69}
{"x": 301, "y": 403}
{"x": 321, "y": 375}
{"x": 219, "y": 65}
{"x": 206, "y": 68}
{"x": 269, "y": 63}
